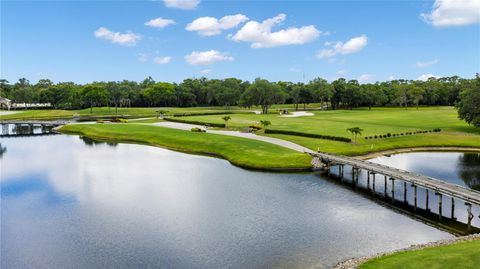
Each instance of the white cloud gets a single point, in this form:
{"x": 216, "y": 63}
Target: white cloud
{"x": 261, "y": 35}
{"x": 210, "y": 26}
{"x": 296, "y": 70}
{"x": 126, "y": 39}
{"x": 425, "y": 77}
{"x": 182, "y": 4}
{"x": 391, "y": 77}
{"x": 353, "y": 45}
{"x": 206, "y": 57}
{"x": 341, "y": 72}
{"x": 159, "y": 22}
{"x": 453, "y": 13}
{"x": 162, "y": 59}
{"x": 205, "y": 71}
{"x": 426, "y": 64}
{"x": 364, "y": 78}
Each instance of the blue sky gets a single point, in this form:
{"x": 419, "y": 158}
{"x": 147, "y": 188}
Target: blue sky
{"x": 367, "y": 40}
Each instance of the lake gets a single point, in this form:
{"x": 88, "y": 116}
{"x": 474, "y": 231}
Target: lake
{"x": 68, "y": 202}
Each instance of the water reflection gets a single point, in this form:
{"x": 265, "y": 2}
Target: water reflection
{"x": 3, "y": 150}
{"x": 469, "y": 169}
{"x": 92, "y": 142}
{"x": 23, "y": 129}
{"x": 134, "y": 206}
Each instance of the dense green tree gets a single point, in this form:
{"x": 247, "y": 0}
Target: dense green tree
{"x": 160, "y": 94}
{"x": 469, "y": 104}
{"x": 264, "y": 93}
{"x": 94, "y": 95}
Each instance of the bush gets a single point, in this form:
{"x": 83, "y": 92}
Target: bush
{"x": 219, "y": 125}
{"x": 327, "y": 137}
{"x": 120, "y": 120}
{"x": 197, "y": 130}
{"x": 255, "y": 127}
{"x": 186, "y": 114}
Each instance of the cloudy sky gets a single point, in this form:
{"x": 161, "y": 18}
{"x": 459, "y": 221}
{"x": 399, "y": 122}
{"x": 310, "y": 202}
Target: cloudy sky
{"x": 279, "y": 40}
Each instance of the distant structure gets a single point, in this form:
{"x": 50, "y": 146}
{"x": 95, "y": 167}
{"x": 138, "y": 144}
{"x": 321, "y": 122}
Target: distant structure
{"x": 30, "y": 105}
{"x": 5, "y": 103}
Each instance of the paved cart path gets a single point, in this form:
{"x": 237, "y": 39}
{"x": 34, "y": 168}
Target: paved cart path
{"x": 276, "y": 141}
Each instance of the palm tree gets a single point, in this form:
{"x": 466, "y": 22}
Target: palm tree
{"x": 226, "y": 119}
{"x": 265, "y": 123}
{"x": 355, "y": 131}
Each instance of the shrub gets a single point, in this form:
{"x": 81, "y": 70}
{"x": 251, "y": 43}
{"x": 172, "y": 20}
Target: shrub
{"x": 186, "y": 114}
{"x": 255, "y": 127}
{"x": 389, "y": 134}
{"x": 376, "y": 136}
{"x": 198, "y": 130}
{"x": 220, "y": 125}
{"x": 327, "y": 137}
{"x": 120, "y": 120}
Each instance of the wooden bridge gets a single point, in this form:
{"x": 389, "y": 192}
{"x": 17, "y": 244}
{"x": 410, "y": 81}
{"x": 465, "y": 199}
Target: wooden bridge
{"x": 28, "y": 128}
{"x": 471, "y": 197}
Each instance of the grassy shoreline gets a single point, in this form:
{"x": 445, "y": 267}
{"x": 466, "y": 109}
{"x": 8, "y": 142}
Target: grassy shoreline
{"x": 245, "y": 153}
{"x": 462, "y": 252}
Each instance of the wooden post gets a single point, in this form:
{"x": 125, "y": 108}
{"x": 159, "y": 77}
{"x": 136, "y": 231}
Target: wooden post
{"x": 439, "y": 205}
{"x": 469, "y": 216}
{"x": 368, "y": 180}
{"x": 353, "y": 175}
{"x": 393, "y": 190}
{"x": 453, "y": 209}
{"x": 385, "y": 187}
{"x": 414, "y": 197}
{"x": 426, "y": 200}
{"x": 373, "y": 182}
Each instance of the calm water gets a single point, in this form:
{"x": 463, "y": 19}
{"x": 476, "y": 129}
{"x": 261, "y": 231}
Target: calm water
{"x": 72, "y": 203}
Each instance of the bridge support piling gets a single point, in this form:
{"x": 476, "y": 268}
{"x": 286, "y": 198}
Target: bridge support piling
{"x": 385, "y": 187}
{"x": 373, "y": 182}
{"x": 469, "y": 216}
{"x": 453, "y": 209}
{"x": 414, "y": 197}
{"x": 353, "y": 176}
{"x": 368, "y": 180}
{"x": 393, "y": 190}
{"x": 439, "y": 205}
{"x": 405, "y": 192}
{"x": 426, "y": 200}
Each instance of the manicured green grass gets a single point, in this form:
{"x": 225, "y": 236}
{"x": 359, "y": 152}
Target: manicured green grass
{"x": 377, "y": 121}
{"x": 239, "y": 151}
{"x": 140, "y": 111}
{"x": 105, "y": 111}
{"x": 463, "y": 255}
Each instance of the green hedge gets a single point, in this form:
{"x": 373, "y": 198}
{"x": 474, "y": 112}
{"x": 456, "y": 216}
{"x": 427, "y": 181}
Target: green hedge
{"x": 388, "y": 135}
{"x": 220, "y": 125}
{"x": 327, "y": 137}
{"x": 186, "y": 114}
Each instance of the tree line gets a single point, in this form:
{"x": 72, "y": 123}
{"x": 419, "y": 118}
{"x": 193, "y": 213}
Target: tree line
{"x": 339, "y": 94}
